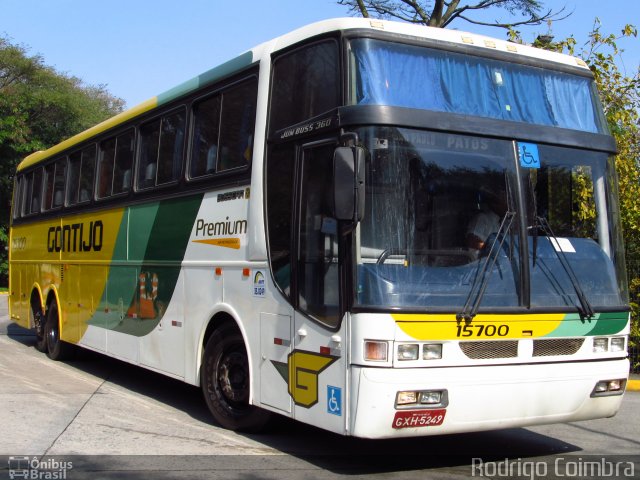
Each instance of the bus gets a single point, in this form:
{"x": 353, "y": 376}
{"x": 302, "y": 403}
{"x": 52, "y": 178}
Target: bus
{"x": 380, "y": 229}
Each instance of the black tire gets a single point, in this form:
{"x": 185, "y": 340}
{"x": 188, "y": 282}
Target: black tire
{"x": 225, "y": 382}
{"x": 38, "y": 321}
{"x": 57, "y": 349}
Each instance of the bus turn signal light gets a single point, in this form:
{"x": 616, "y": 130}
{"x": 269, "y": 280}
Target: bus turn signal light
{"x": 375, "y": 350}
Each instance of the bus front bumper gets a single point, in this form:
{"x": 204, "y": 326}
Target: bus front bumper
{"x": 482, "y": 398}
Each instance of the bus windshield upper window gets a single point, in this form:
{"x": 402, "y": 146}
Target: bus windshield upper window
{"x": 402, "y": 75}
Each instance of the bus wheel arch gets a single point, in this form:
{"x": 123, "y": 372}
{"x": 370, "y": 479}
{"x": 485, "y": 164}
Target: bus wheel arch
{"x": 225, "y": 377}
{"x": 37, "y": 317}
{"x": 56, "y": 348}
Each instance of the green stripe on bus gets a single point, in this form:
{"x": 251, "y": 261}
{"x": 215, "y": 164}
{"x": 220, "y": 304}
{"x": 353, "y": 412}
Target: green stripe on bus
{"x": 573, "y": 326}
{"x": 172, "y": 228}
{"x": 609, "y": 324}
{"x": 210, "y": 76}
{"x": 155, "y": 234}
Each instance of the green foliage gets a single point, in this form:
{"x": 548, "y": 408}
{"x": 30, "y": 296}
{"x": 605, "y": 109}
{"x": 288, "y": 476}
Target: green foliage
{"x": 39, "y": 107}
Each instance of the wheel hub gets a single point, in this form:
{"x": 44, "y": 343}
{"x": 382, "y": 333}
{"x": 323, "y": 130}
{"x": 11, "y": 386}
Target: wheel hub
{"x": 233, "y": 377}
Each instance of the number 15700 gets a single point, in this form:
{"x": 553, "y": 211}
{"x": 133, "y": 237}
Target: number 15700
{"x": 480, "y": 330}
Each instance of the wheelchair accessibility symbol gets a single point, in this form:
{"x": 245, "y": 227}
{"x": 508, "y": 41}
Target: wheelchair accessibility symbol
{"x": 528, "y": 154}
{"x": 334, "y": 400}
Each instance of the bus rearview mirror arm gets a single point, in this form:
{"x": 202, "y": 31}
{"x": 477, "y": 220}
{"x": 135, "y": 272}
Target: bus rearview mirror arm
{"x": 348, "y": 184}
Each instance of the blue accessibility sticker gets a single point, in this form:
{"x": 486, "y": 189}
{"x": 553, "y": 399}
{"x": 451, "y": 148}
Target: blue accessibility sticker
{"x": 528, "y": 155}
{"x": 334, "y": 400}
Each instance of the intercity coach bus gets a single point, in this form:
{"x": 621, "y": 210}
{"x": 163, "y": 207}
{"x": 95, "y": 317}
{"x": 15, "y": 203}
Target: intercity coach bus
{"x": 380, "y": 229}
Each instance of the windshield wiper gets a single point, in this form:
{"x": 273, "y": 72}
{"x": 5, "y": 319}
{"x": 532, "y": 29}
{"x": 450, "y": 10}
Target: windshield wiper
{"x": 585, "y": 309}
{"x": 470, "y": 310}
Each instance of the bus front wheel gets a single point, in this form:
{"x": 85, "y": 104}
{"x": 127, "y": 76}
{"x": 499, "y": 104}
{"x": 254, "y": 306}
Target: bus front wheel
{"x": 225, "y": 381}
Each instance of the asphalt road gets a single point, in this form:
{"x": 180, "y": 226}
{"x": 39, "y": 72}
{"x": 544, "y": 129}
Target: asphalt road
{"x": 97, "y": 417}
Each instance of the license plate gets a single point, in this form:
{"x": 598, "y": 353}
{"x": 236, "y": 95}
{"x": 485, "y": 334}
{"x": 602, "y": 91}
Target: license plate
{"x": 418, "y": 418}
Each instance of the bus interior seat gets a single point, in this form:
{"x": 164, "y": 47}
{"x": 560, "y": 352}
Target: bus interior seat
{"x": 126, "y": 180}
{"x": 58, "y": 198}
{"x": 84, "y": 195}
{"x": 150, "y": 175}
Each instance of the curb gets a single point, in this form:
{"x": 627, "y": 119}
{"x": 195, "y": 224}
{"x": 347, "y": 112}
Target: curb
{"x": 633, "y": 385}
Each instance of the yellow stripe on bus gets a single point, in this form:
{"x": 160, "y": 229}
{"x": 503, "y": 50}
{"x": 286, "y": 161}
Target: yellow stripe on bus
{"x": 87, "y": 134}
{"x": 71, "y": 256}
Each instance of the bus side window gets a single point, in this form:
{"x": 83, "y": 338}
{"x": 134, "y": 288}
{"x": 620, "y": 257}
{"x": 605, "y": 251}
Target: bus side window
{"x": 171, "y": 148}
{"x": 17, "y": 196}
{"x": 25, "y": 194}
{"x": 81, "y": 171}
{"x": 116, "y": 161}
{"x": 236, "y": 130}
{"x": 149, "y": 142}
{"x": 54, "y": 182}
{"x": 87, "y": 174}
{"x": 33, "y": 193}
{"x": 161, "y": 150}
{"x": 205, "y": 137}
{"x": 74, "y": 177}
{"x": 123, "y": 163}
{"x": 105, "y": 167}
{"x": 59, "y": 183}
{"x": 305, "y": 83}
{"x": 49, "y": 176}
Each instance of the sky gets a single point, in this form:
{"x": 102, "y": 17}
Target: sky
{"x": 141, "y": 48}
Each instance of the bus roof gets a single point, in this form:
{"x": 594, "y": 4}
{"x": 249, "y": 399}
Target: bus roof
{"x": 266, "y": 49}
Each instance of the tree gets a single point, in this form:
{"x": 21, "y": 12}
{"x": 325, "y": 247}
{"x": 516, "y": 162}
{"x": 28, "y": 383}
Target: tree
{"x": 39, "y": 107}
{"x": 441, "y": 13}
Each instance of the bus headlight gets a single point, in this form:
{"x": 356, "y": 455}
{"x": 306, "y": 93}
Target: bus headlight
{"x": 607, "y": 388}
{"x": 422, "y": 399}
{"x": 408, "y": 351}
{"x": 617, "y": 344}
{"x": 431, "y": 397}
{"x": 406, "y": 398}
{"x": 600, "y": 344}
{"x": 432, "y": 351}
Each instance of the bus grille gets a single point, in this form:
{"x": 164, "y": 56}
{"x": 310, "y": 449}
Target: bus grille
{"x": 556, "y": 346}
{"x": 548, "y": 347}
{"x": 490, "y": 349}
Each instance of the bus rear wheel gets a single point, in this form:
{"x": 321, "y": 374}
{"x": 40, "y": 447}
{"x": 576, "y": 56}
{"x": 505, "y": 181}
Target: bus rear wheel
{"x": 57, "y": 349}
{"x": 225, "y": 381}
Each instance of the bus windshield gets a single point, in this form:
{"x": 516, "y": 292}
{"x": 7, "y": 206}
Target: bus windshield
{"x": 401, "y": 75}
{"x": 438, "y": 203}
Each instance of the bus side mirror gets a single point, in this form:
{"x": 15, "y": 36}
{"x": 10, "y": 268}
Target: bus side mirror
{"x": 348, "y": 184}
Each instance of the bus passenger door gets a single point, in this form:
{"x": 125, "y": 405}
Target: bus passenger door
{"x": 317, "y": 364}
